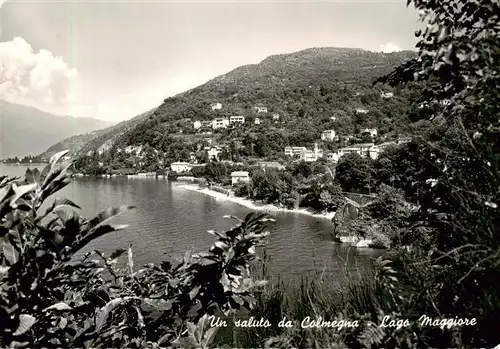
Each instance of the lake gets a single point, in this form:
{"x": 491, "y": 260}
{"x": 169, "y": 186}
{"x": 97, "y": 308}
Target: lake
{"x": 168, "y": 220}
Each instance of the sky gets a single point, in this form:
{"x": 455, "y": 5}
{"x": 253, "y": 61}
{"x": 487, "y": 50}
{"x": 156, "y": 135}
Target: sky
{"x": 113, "y": 60}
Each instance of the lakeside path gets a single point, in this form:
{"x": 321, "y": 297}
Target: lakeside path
{"x": 252, "y": 204}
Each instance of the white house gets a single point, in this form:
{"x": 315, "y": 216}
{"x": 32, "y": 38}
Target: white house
{"x": 206, "y": 124}
{"x": 213, "y": 153}
{"x": 180, "y": 167}
{"x": 261, "y": 109}
{"x": 311, "y": 155}
{"x": 216, "y": 106}
{"x": 333, "y": 157}
{"x": 294, "y": 151}
{"x": 239, "y": 176}
{"x": 276, "y": 117}
{"x": 237, "y": 119}
{"x": 402, "y": 140}
{"x": 197, "y": 125}
{"x": 257, "y": 121}
{"x": 362, "y": 111}
{"x": 371, "y": 131}
{"x": 220, "y": 123}
{"x": 361, "y": 149}
{"x": 386, "y": 94}
{"x": 328, "y": 135}
{"x": 373, "y": 152}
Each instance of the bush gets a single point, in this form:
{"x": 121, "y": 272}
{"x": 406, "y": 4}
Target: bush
{"x": 48, "y": 299}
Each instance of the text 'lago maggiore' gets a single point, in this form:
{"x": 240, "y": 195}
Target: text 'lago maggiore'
{"x": 387, "y": 321}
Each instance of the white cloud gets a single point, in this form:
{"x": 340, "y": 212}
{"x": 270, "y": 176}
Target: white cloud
{"x": 37, "y": 79}
{"x": 390, "y": 47}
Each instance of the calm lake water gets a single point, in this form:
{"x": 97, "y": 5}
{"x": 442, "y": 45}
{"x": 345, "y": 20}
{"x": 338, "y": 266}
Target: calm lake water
{"x": 169, "y": 220}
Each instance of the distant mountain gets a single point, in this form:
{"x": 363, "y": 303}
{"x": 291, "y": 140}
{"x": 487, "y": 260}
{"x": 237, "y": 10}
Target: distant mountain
{"x": 29, "y": 131}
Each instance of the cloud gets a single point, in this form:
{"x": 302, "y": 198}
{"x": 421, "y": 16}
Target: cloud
{"x": 2, "y": 2}
{"x": 37, "y": 79}
{"x": 390, "y": 47}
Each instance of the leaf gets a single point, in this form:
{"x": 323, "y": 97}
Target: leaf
{"x": 194, "y": 292}
{"x": 9, "y": 252}
{"x": 30, "y": 177}
{"x": 106, "y": 310}
{"x": 159, "y": 304}
{"x": 25, "y": 323}
{"x": 99, "y": 231}
{"x": 61, "y": 306}
{"x": 117, "y": 253}
{"x": 56, "y": 157}
{"x": 106, "y": 215}
{"x": 130, "y": 261}
{"x": 62, "y": 323}
{"x": 209, "y": 336}
{"x": 20, "y": 191}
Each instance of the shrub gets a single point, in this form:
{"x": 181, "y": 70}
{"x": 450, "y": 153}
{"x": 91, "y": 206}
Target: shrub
{"x": 48, "y": 299}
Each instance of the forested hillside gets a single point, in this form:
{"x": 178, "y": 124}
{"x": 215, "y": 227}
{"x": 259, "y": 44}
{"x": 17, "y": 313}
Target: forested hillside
{"x": 311, "y": 90}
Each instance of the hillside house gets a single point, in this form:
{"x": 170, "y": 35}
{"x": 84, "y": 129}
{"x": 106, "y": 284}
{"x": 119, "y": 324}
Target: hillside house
{"x": 294, "y": 151}
{"x": 192, "y": 158}
{"x": 333, "y": 118}
{"x": 180, "y": 167}
{"x": 362, "y": 111}
{"x": 276, "y": 117}
{"x": 402, "y": 140}
{"x": 386, "y": 94}
{"x": 332, "y": 157}
{"x": 257, "y": 121}
{"x": 361, "y": 149}
{"x": 216, "y": 106}
{"x": 260, "y": 109}
{"x": 206, "y": 124}
{"x": 237, "y": 119}
{"x": 371, "y": 131}
{"x": 218, "y": 123}
{"x": 311, "y": 155}
{"x": 213, "y": 153}
{"x": 197, "y": 125}
{"x": 328, "y": 135}
{"x": 385, "y": 145}
{"x": 270, "y": 164}
{"x": 239, "y": 176}
{"x": 373, "y": 152}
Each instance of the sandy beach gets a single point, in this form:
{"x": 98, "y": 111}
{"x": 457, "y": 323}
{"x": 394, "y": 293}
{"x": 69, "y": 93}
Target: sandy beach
{"x": 257, "y": 206}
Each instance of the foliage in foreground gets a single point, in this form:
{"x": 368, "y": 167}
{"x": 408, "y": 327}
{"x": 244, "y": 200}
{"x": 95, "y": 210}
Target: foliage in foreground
{"x": 49, "y": 299}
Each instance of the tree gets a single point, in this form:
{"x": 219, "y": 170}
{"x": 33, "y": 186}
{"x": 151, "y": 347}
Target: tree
{"x": 354, "y": 173}
{"x": 459, "y": 60}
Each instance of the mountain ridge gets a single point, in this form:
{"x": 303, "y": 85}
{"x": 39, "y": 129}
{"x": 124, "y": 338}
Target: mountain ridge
{"x": 281, "y": 82}
{"x": 26, "y": 130}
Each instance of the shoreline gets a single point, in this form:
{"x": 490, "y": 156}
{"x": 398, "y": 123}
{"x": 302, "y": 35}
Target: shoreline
{"x": 269, "y": 208}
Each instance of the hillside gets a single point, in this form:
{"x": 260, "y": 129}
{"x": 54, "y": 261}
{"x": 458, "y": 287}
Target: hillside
{"x": 25, "y": 130}
{"x": 312, "y": 90}
{"x": 82, "y": 143}
{"x": 73, "y": 144}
